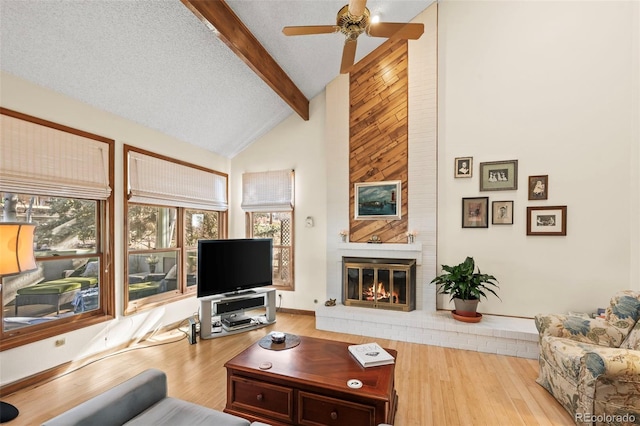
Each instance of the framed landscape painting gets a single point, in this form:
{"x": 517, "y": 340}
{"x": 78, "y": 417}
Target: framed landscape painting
{"x": 499, "y": 175}
{"x": 378, "y": 200}
{"x": 475, "y": 212}
{"x": 547, "y": 220}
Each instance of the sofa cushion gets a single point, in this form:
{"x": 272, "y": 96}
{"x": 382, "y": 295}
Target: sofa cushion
{"x": 91, "y": 270}
{"x": 86, "y": 282}
{"x": 624, "y": 310}
{"x": 564, "y": 356}
{"x": 633, "y": 339}
{"x": 176, "y": 412}
{"x": 51, "y": 287}
{"x": 587, "y": 330}
{"x": 118, "y": 404}
{"x": 145, "y": 289}
{"x": 173, "y": 273}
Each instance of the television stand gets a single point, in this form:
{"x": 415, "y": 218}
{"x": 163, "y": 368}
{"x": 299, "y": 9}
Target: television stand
{"x": 239, "y": 293}
{"x": 228, "y": 307}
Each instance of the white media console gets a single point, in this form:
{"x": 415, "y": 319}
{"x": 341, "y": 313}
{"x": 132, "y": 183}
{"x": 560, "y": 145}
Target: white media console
{"x": 228, "y": 307}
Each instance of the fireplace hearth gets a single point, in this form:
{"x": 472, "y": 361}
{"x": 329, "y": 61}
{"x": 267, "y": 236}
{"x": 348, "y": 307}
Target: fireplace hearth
{"x": 379, "y": 283}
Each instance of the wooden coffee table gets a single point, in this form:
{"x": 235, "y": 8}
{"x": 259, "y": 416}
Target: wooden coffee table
{"x": 307, "y": 385}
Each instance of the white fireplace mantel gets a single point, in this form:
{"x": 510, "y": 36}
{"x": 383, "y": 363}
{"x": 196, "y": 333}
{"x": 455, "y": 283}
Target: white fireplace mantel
{"x": 391, "y": 251}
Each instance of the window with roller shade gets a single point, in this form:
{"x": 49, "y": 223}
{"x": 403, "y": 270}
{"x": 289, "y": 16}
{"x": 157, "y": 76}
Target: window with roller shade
{"x": 61, "y": 180}
{"x": 268, "y": 200}
{"x": 170, "y": 206}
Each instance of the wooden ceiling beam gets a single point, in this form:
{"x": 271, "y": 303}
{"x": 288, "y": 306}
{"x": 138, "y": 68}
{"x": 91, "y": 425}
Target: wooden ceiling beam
{"x": 219, "y": 17}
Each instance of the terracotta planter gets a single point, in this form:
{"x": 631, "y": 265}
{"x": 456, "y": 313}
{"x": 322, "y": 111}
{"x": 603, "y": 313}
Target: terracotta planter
{"x": 466, "y": 308}
{"x": 463, "y": 318}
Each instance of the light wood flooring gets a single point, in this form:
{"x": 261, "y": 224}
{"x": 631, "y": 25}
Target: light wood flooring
{"x": 436, "y": 386}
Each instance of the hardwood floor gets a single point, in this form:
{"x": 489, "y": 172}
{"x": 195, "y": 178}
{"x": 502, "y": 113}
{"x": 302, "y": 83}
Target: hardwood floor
{"x": 436, "y": 386}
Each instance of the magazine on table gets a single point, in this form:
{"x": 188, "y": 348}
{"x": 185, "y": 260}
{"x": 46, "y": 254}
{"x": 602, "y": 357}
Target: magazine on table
{"x": 371, "y": 355}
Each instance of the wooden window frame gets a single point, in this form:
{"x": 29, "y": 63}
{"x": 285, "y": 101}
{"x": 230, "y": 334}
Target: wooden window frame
{"x": 249, "y": 232}
{"x": 104, "y": 251}
{"x": 183, "y": 291}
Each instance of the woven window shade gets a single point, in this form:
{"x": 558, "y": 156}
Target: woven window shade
{"x": 268, "y": 191}
{"x": 36, "y": 159}
{"x": 156, "y": 181}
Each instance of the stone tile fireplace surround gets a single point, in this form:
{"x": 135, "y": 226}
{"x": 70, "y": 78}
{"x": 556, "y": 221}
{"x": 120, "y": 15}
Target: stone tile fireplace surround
{"x": 425, "y": 325}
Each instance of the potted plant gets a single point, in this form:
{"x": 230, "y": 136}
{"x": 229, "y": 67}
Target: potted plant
{"x": 152, "y": 261}
{"x": 465, "y": 286}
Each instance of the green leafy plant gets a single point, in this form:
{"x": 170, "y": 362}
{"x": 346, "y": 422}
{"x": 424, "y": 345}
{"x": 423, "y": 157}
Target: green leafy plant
{"x": 462, "y": 282}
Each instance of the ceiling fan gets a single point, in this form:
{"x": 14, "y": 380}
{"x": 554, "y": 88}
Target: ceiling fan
{"x": 352, "y": 20}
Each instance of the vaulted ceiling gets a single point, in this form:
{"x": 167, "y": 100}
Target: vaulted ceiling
{"x": 161, "y": 64}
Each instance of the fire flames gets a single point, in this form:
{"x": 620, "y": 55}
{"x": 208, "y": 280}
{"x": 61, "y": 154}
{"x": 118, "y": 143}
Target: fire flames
{"x": 378, "y": 292}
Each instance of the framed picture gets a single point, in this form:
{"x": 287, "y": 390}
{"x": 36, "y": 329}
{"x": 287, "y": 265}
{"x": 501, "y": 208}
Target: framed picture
{"x": 499, "y": 175}
{"x": 502, "y": 213}
{"x": 547, "y": 220}
{"x": 463, "y": 167}
{"x": 475, "y": 212}
{"x": 378, "y": 200}
{"x": 539, "y": 187}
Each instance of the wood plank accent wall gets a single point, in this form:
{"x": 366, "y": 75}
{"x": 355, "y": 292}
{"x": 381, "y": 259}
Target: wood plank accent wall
{"x": 378, "y": 134}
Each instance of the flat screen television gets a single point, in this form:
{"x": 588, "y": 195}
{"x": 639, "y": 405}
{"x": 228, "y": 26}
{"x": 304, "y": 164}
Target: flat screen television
{"x": 228, "y": 267}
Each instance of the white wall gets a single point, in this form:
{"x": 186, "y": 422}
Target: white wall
{"x": 635, "y": 147}
{"x": 21, "y": 96}
{"x": 555, "y": 86}
{"x": 299, "y": 145}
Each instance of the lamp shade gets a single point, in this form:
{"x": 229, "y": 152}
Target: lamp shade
{"x": 16, "y": 247}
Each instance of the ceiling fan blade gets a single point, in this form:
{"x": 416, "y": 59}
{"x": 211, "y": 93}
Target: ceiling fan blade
{"x": 348, "y": 55}
{"x": 310, "y": 29}
{"x": 396, "y": 30}
{"x": 356, "y": 7}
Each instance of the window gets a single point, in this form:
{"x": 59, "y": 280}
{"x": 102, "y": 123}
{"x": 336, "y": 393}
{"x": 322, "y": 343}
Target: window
{"x": 198, "y": 225}
{"x": 279, "y": 227}
{"x": 267, "y": 197}
{"x": 59, "y": 179}
{"x": 171, "y": 205}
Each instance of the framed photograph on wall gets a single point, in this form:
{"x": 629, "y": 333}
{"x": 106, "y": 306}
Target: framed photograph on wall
{"x": 539, "y": 187}
{"x": 475, "y": 212}
{"x": 378, "y": 200}
{"x": 463, "y": 167}
{"x": 502, "y": 213}
{"x": 547, "y": 220}
{"x": 499, "y": 175}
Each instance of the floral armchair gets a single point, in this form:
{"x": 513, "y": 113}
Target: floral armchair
{"x": 592, "y": 366}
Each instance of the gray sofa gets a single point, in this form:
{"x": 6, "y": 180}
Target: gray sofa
{"x": 142, "y": 400}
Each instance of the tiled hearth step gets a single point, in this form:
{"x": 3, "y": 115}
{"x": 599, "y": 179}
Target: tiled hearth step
{"x": 494, "y": 334}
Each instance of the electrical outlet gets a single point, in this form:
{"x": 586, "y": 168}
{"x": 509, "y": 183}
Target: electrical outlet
{"x": 60, "y": 342}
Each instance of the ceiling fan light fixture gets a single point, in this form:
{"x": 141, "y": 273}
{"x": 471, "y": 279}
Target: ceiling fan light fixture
{"x": 353, "y": 20}
{"x": 350, "y": 25}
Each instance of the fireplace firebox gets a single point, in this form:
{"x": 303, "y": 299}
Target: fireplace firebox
{"x": 379, "y": 283}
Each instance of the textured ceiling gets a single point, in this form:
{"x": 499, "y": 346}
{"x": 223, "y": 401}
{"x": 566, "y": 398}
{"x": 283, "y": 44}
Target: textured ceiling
{"x": 154, "y": 63}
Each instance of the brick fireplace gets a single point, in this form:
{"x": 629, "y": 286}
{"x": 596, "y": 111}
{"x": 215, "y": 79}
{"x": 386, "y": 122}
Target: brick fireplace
{"x": 379, "y": 283}
{"x": 425, "y": 325}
